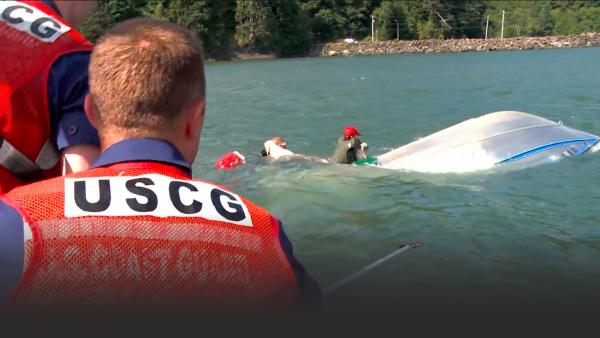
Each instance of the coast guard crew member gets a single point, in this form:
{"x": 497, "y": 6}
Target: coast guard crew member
{"x": 43, "y": 82}
{"x": 136, "y": 230}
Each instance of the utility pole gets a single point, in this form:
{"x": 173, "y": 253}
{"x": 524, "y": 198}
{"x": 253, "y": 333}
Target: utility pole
{"x": 487, "y": 23}
{"x": 502, "y": 31}
{"x": 397, "y": 30}
{"x": 372, "y": 29}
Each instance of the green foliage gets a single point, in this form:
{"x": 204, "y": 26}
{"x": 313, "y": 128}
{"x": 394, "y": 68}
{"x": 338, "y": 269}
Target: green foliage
{"x": 212, "y": 20}
{"x": 568, "y": 21}
{"x": 277, "y": 26}
{"x": 423, "y": 20}
{"x": 106, "y": 14}
{"x": 465, "y": 18}
{"x": 221, "y": 28}
{"x": 289, "y": 27}
{"x": 192, "y": 14}
{"x": 96, "y": 23}
{"x": 391, "y": 21}
{"x": 358, "y": 17}
{"x": 327, "y": 25}
{"x": 253, "y": 23}
{"x": 120, "y": 10}
{"x": 540, "y": 18}
{"x": 290, "y": 31}
{"x": 429, "y": 30}
{"x": 335, "y": 19}
{"x": 540, "y": 21}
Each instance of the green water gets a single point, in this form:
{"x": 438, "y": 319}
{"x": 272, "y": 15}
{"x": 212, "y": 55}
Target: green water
{"x": 529, "y": 237}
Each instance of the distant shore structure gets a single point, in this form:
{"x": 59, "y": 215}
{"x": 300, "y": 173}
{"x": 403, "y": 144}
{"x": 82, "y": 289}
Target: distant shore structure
{"x": 454, "y": 45}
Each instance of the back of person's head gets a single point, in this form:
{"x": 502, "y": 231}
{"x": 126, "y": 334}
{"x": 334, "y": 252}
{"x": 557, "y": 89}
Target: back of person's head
{"x": 144, "y": 73}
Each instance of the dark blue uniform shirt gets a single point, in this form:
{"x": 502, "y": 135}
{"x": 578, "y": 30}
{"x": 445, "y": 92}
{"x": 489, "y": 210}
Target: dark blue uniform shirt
{"x": 131, "y": 150}
{"x": 67, "y": 88}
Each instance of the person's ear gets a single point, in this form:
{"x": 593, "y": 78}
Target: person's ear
{"x": 88, "y": 106}
{"x": 195, "y": 120}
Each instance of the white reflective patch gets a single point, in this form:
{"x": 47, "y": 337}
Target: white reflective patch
{"x": 152, "y": 195}
{"x": 27, "y": 235}
{"x": 32, "y": 21}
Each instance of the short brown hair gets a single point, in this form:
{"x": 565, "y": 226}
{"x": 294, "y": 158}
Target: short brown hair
{"x": 143, "y": 73}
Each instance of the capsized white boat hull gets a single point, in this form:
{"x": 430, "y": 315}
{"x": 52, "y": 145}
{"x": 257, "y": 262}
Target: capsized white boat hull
{"x": 490, "y": 140}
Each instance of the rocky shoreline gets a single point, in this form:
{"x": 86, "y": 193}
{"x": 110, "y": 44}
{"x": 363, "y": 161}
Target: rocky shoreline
{"x": 455, "y": 45}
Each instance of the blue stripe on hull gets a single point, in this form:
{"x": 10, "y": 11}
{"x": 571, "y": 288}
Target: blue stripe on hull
{"x": 550, "y": 146}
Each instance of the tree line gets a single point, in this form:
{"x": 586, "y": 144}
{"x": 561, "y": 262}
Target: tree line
{"x": 291, "y": 27}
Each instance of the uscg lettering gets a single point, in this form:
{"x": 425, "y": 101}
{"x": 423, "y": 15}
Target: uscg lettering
{"x": 236, "y": 215}
{"x": 174, "y": 189}
{"x": 32, "y": 21}
{"x": 133, "y": 187}
{"x": 45, "y": 31}
{"x": 103, "y": 200}
{"x": 6, "y": 14}
{"x": 154, "y": 195}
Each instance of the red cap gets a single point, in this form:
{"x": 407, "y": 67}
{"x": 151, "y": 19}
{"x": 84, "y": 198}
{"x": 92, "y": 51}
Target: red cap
{"x": 351, "y": 131}
{"x": 230, "y": 160}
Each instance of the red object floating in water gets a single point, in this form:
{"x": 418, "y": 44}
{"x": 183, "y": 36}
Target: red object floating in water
{"x": 230, "y": 160}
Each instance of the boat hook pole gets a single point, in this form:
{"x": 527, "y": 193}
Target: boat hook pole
{"x": 358, "y": 273}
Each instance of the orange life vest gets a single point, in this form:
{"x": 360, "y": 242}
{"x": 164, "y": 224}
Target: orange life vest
{"x": 32, "y": 37}
{"x": 143, "y": 235}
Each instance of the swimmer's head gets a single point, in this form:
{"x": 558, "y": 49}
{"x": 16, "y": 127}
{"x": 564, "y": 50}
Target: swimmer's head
{"x": 278, "y": 140}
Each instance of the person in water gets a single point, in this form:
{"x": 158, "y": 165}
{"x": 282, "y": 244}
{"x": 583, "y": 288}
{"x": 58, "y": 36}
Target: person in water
{"x": 349, "y": 148}
{"x": 276, "y": 148}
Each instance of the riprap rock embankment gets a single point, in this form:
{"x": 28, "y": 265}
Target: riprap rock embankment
{"x": 455, "y": 45}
